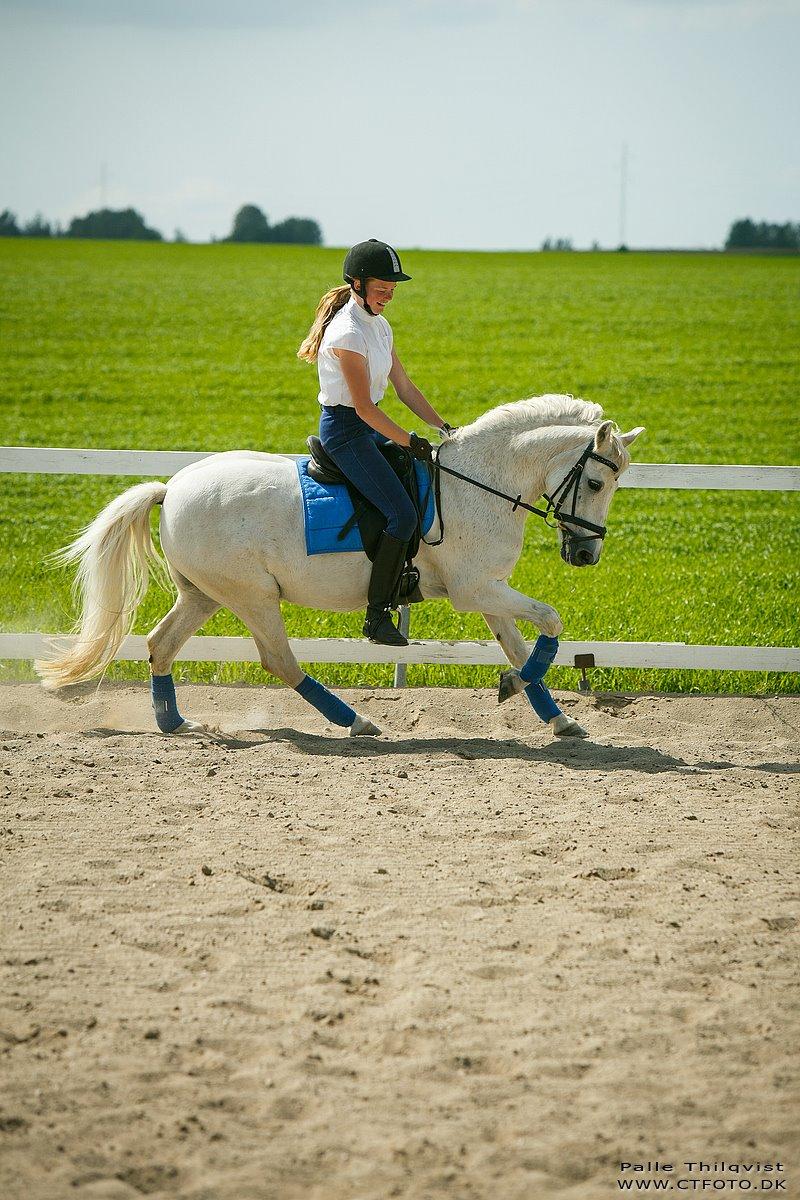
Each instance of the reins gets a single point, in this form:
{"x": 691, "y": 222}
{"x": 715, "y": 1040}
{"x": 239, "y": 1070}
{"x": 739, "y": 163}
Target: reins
{"x": 568, "y": 487}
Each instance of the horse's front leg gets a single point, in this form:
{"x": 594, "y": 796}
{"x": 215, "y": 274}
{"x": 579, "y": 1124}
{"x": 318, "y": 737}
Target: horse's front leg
{"x": 516, "y": 651}
{"x": 515, "y": 648}
{"x": 496, "y": 597}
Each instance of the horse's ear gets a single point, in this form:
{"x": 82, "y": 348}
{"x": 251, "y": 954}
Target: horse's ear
{"x": 627, "y": 438}
{"x": 602, "y": 439}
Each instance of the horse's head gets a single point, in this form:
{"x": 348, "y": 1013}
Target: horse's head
{"x": 579, "y": 496}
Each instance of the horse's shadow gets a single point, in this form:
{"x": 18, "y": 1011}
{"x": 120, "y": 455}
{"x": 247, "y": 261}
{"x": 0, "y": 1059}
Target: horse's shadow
{"x": 574, "y": 754}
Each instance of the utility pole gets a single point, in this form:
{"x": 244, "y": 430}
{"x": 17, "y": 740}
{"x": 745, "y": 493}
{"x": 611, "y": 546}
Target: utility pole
{"x": 623, "y": 188}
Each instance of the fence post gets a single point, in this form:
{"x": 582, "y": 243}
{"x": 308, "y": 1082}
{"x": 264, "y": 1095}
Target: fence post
{"x": 403, "y": 625}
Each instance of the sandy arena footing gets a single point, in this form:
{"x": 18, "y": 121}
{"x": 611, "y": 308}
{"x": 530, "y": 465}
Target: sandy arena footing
{"x": 459, "y": 960}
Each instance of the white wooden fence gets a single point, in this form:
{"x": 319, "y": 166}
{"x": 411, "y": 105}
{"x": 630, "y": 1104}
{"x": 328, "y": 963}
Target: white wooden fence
{"x": 43, "y": 460}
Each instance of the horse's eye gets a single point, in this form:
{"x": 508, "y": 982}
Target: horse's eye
{"x": 595, "y": 484}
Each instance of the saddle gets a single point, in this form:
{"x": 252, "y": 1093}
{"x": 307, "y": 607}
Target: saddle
{"x": 371, "y": 521}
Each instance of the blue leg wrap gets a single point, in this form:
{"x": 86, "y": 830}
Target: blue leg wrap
{"x": 539, "y": 659}
{"x": 541, "y": 701}
{"x": 534, "y": 672}
{"x": 325, "y": 702}
{"x": 162, "y": 690}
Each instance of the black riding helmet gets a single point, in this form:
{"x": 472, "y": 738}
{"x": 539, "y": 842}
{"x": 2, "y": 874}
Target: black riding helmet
{"x": 372, "y": 260}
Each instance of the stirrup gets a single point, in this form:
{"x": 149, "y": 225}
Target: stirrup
{"x": 380, "y": 628}
{"x": 408, "y": 586}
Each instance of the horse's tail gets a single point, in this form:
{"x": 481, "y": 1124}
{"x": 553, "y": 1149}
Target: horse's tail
{"x": 114, "y": 555}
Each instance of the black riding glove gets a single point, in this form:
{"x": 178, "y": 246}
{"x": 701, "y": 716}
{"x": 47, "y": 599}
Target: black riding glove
{"x": 420, "y": 448}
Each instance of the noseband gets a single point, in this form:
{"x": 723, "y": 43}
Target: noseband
{"x": 555, "y": 503}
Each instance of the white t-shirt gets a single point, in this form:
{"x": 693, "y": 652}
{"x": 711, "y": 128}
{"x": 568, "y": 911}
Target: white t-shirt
{"x": 354, "y": 329}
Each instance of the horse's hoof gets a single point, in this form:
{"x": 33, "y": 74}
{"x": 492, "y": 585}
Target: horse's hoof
{"x": 564, "y": 726}
{"x": 189, "y": 727}
{"x": 362, "y": 727}
{"x": 510, "y": 685}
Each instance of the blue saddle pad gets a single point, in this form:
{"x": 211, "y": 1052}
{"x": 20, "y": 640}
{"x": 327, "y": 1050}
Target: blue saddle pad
{"x": 327, "y": 507}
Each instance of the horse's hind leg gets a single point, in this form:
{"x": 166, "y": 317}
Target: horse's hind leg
{"x": 191, "y": 610}
{"x": 265, "y": 622}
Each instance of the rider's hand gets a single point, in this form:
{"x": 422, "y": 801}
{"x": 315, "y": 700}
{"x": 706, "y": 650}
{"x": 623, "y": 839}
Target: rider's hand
{"x": 420, "y": 448}
{"x": 447, "y": 431}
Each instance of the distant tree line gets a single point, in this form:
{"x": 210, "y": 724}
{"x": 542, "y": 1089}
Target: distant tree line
{"x": 249, "y": 225}
{"x": 36, "y": 227}
{"x": 124, "y": 223}
{"x": 746, "y": 234}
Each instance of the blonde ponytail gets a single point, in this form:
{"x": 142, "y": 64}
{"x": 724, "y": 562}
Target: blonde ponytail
{"x": 327, "y": 309}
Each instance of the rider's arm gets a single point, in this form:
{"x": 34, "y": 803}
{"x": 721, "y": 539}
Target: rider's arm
{"x": 354, "y": 369}
{"x": 410, "y": 394}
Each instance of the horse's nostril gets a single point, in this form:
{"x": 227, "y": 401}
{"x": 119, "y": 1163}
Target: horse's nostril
{"x": 583, "y": 558}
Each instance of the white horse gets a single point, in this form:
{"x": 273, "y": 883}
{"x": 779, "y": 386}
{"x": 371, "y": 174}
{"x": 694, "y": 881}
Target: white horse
{"x": 232, "y": 534}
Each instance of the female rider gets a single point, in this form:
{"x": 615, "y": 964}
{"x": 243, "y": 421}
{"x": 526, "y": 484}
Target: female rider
{"x": 351, "y": 342}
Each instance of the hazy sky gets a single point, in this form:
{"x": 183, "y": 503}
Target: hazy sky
{"x": 436, "y": 123}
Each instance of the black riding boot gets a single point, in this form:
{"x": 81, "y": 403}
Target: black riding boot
{"x": 387, "y": 568}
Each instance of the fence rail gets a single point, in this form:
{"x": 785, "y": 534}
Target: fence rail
{"x": 47, "y": 460}
{"x": 677, "y": 655}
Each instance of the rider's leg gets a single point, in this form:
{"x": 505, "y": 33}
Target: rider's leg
{"x": 351, "y": 444}
{"x": 387, "y": 567}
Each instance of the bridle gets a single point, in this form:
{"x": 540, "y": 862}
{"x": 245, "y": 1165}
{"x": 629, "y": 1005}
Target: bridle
{"x": 568, "y": 488}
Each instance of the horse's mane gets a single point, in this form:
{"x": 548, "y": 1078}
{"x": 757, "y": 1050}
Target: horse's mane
{"x": 536, "y": 412}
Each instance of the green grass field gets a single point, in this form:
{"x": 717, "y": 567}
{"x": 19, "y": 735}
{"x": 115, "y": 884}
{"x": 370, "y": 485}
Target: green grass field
{"x": 193, "y": 347}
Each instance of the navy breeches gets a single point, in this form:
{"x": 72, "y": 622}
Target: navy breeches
{"x": 353, "y": 446}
